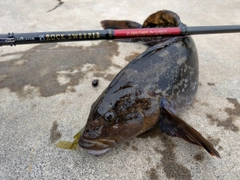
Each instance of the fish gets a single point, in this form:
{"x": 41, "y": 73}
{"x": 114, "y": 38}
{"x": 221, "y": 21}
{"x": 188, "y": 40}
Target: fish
{"x": 151, "y": 90}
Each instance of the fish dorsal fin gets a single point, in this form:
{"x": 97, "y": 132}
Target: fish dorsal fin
{"x": 174, "y": 126}
{"x": 120, "y": 24}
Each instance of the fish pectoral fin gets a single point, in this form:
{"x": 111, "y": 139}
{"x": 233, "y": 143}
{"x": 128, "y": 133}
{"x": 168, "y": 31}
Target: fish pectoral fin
{"x": 174, "y": 126}
{"x": 120, "y": 24}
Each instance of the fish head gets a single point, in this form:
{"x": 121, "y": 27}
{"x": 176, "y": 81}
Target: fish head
{"x": 115, "y": 118}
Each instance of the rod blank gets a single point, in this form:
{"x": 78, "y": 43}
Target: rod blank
{"x": 109, "y": 34}
{"x": 212, "y": 29}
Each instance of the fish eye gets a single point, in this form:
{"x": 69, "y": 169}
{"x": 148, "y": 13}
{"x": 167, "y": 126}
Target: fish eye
{"x": 110, "y": 117}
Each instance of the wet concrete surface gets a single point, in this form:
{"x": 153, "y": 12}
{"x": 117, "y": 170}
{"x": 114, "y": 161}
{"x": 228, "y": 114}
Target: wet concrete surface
{"x": 46, "y": 93}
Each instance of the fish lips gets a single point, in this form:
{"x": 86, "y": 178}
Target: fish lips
{"x": 97, "y": 146}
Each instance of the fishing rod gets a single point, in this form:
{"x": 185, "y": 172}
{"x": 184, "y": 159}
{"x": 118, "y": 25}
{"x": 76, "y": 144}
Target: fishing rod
{"x": 110, "y": 34}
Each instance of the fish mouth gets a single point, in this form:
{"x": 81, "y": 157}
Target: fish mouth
{"x": 97, "y": 146}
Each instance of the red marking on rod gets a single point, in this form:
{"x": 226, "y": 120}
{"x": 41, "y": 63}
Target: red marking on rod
{"x": 146, "y": 32}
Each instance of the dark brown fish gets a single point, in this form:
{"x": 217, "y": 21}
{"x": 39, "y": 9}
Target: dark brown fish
{"x": 151, "y": 89}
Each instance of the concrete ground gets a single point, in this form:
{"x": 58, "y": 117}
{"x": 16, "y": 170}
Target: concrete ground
{"x": 46, "y": 94}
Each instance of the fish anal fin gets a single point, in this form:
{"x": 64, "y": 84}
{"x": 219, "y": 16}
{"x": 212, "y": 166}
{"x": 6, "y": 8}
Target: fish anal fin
{"x": 174, "y": 126}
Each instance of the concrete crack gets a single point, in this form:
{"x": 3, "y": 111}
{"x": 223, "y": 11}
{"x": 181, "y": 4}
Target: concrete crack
{"x": 59, "y": 4}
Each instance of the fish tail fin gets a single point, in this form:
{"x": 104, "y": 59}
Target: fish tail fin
{"x": 174, "y": 126}
{"x": 119, "y": 24}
